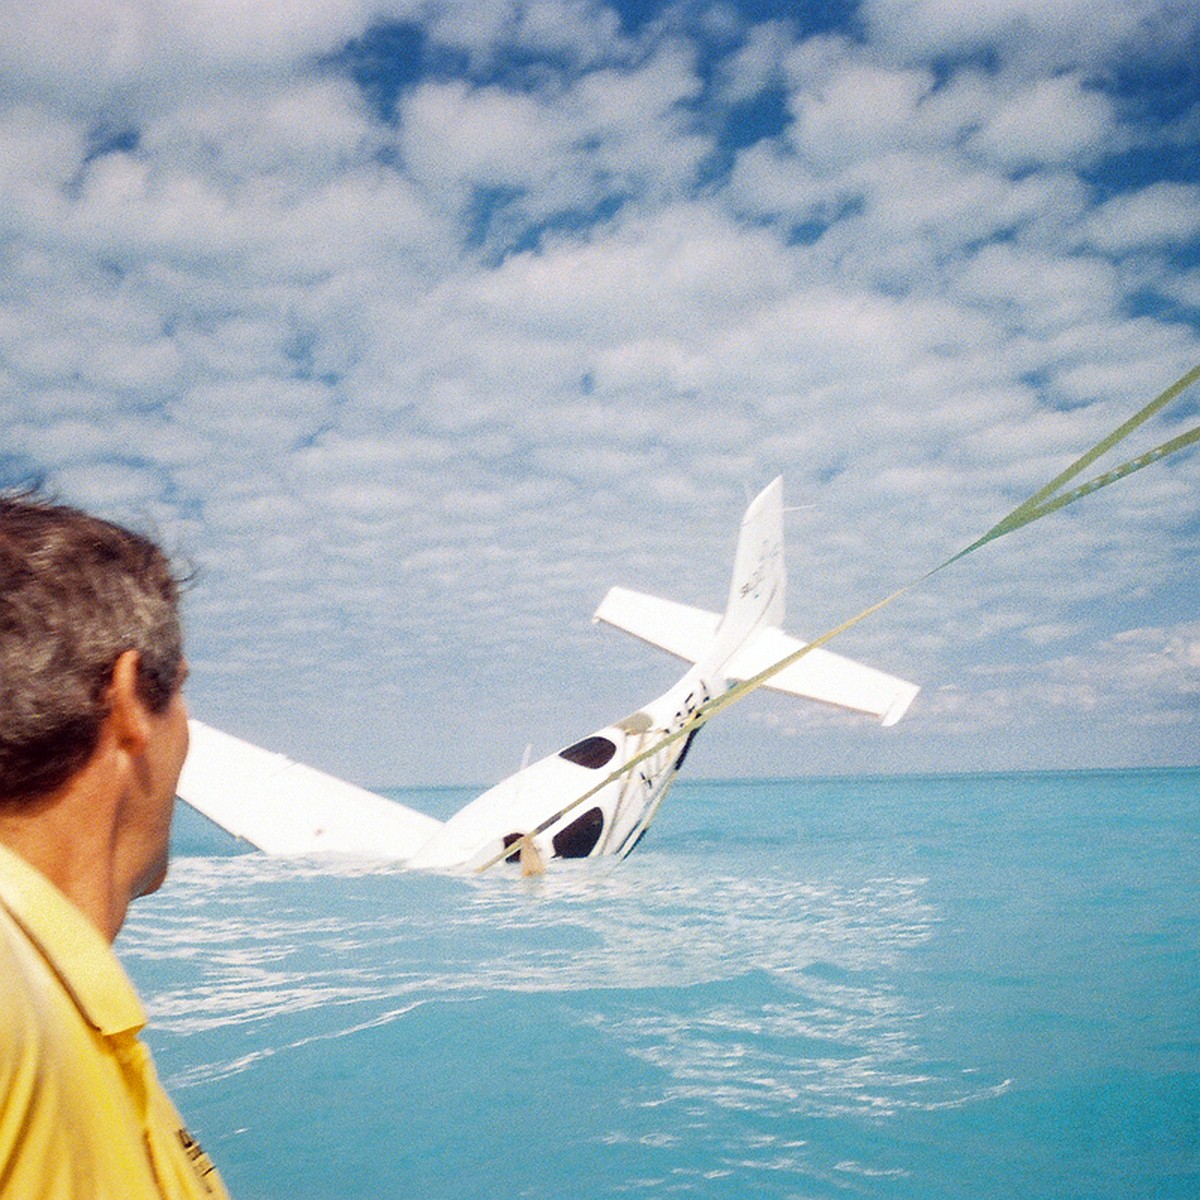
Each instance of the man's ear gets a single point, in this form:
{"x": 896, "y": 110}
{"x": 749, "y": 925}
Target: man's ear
{"x": 127, "y": 711}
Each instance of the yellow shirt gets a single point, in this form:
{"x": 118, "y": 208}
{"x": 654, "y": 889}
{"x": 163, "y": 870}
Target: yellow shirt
{"x": 82, "y": 1114}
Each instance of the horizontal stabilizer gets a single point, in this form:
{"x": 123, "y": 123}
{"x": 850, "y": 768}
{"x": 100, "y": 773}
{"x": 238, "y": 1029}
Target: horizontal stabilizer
{"x": 686, "y": 632}
{"x": 824, "y": 676}
{"x": 820, "y": 675}
{"x": 284, "y": 807}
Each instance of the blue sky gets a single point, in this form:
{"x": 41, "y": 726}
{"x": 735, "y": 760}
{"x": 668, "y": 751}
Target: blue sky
{"x": 417, "y": 325}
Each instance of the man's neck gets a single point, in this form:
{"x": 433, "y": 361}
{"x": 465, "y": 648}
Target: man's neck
{"x": 70, "y": 837}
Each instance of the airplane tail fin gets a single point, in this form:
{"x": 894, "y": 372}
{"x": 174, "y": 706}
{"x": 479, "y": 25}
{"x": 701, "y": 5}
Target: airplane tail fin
{"x": 759, "y": 583}
{"x": 747, "y": 638}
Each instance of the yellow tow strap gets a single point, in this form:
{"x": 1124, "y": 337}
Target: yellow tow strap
{"x": 1043, "y": 502}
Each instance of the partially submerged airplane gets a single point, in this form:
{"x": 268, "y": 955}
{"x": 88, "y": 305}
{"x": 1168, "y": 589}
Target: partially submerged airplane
{"x": 285, "y": 808}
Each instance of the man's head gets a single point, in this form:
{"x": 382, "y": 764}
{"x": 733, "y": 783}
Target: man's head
{"x": 76, "y": 593}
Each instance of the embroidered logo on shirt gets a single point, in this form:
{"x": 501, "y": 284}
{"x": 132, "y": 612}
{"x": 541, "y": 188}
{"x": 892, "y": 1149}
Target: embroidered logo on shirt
{"x": 201, "y": 1163}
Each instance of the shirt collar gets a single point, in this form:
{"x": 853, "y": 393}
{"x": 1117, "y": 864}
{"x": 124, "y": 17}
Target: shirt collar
{"x": 73, "y": 947}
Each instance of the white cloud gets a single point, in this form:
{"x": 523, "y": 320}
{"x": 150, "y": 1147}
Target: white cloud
{"x": 770, "y": 181}
{"x": 457, "y": 138}
{"x": 97, "y": 56}
{"x": 38, "y": 150}
{"x": 1158, "y": 216}
{"x": 860, "y": 111}
{"x": 454, "y": 134}
{"x": 1053, "y": 121}
{"x": 1046, "y": 292}
{"x": 1152, "y": 672}
{"x": 684, "y": 269}
{"x": 583, "y": 32}
{"x": 1183, "y": 286}
{"x": 299, "y": 131}
{"x": 1041, "y": 36}
{"x": 758, "y": 63}
{"x": 108, "y": 485}
{"x": 951, "y": 204}
{"x": 403, "y": 426}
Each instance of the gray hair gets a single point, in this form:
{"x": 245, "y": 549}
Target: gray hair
{"x": 76, "y": 592}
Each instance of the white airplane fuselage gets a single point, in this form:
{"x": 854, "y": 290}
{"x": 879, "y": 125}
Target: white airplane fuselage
{"x": 611, "y": 822}
{"x": 575, "y": 803}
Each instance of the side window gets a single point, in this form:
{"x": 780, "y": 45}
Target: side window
{"x": 592, "y": 752}
{"x": 579, "y": 838}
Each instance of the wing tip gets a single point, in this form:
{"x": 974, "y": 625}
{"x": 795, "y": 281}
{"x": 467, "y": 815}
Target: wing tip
{"x": 900, "y": 705}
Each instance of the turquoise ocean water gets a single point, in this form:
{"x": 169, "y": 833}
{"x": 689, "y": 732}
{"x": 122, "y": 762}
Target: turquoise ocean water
{"x": 966, "y": 987}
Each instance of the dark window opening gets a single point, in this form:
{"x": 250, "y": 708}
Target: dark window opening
{"x": 579, "y": 838}
{"x": 641, "y": 833}
{"x": 687, "y": 745}
{"x": 592, "y": 752}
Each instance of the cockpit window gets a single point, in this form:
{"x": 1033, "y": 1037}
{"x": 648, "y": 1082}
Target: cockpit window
{"x": 592, "y": 752}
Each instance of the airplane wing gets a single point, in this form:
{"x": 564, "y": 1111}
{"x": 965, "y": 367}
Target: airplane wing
{"x": 820, "y": 675}
{"x": 284, "y": 807}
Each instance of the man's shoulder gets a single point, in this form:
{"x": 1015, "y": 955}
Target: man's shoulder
{"x": 20, "y": 966}
{"x": 27, "y": 1000}
{"x": 30, "y": 1063}
{"x": 63, "y": 951}
{"x": 43, "y": 1029}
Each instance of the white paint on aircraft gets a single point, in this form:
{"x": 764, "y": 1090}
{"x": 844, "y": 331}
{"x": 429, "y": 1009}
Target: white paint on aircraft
{"x": 285, "y": 808}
